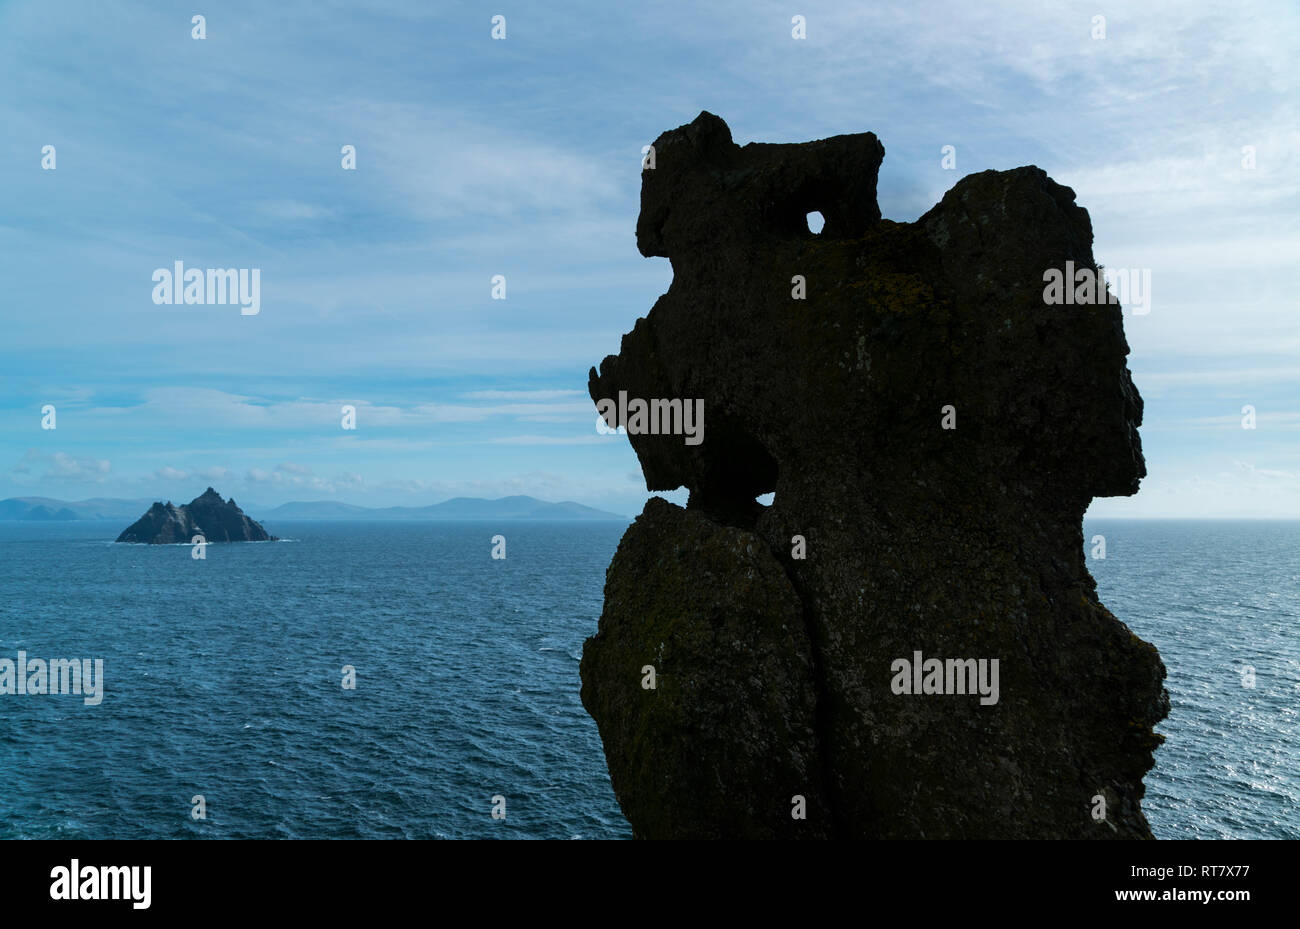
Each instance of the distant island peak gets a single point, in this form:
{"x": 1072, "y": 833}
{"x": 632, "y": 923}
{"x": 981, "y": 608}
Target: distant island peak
{"x": 207, "y": 515}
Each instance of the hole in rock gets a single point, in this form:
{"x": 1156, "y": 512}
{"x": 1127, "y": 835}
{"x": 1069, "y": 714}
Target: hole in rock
{"x": 738, "y": 471}
{"x": 816, "y": 222}
{"x": 765, "y": 499}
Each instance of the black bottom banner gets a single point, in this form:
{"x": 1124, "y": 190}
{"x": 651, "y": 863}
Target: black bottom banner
{"x": 143, "y": 879}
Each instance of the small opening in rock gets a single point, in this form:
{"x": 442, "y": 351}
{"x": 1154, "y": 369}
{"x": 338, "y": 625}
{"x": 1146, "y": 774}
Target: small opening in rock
{"x": 815, "y": 222}
{"x": 765, "y": 499}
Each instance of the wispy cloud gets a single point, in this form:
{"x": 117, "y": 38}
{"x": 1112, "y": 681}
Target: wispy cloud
{"x": 62, "y": 468}
{"x": 521, "y": 158}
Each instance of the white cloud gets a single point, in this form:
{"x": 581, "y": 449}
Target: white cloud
{"x": 216, "y": 408}
{"x": 293, "y": 211}
{"x": 1264, "y": 472}
{"x": 549, "y": 440}
{"x": 65, "y": 467}
{"x": 524, "y": 395}
{"x": 445, "y": 164}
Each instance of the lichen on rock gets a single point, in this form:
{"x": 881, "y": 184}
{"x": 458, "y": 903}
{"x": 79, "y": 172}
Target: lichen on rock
{"x": 773, "y": 672}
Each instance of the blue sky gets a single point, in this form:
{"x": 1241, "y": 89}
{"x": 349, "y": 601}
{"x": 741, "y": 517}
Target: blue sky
{"x": 521, "y": 157}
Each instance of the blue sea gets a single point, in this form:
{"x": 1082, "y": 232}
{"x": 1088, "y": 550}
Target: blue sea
{"x": 224, "y": 680}
{"x": 1219, "y": 599}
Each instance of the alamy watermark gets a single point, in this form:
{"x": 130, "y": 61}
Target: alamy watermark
{"x": 223, "y": 286}
{"x": 1079, "y": 286}
{"x": 55, "y": 676}
{"x": 950, "y": 676}
{"x": 673, "y": 416}
{"x": 103, "y": 882}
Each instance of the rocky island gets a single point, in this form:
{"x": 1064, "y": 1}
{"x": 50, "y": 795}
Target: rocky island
{"x": 207, "y": 515}
{"x": 933, "y": 428}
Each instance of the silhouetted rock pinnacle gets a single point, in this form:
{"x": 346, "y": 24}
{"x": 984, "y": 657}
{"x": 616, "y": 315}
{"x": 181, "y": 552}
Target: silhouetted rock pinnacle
{"x": 207, "y": 515}
{"x": 933, "y": 431}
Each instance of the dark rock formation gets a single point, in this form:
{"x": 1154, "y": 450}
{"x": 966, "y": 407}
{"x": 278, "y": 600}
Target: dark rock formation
{"x": 207, "y": 515}
{"x": 774, "y": 672}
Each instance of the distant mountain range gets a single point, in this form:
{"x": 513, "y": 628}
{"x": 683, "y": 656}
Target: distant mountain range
{"x": 46, "y": 509}
{"x": 519, "y": 507}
